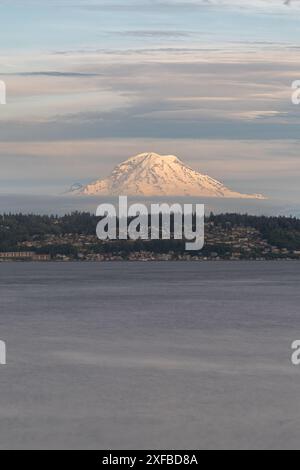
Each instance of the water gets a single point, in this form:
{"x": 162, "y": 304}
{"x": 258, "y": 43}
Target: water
{"x": 139, "y": 355}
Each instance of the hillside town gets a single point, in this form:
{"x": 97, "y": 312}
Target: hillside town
{"x": 223, "y": 241}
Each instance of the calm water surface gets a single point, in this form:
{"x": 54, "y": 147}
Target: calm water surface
{"x": 149, "y": 355}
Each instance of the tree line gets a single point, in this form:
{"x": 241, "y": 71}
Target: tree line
{"x": 283, "y": 232}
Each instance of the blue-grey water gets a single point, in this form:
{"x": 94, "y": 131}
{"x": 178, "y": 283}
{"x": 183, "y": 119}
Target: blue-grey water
{"x": 150, "y": 355}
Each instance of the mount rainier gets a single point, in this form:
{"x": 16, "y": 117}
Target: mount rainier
{"x": 150, "y": 174}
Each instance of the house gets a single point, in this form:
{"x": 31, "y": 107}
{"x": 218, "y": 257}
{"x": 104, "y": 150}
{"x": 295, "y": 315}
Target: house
{"x": 23, "y": 256}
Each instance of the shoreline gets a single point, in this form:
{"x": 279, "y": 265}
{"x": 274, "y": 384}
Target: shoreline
{"x": 150, "y": 261}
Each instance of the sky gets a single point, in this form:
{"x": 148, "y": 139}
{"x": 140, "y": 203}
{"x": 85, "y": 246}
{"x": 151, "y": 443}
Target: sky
{"x": 91, "y": 83}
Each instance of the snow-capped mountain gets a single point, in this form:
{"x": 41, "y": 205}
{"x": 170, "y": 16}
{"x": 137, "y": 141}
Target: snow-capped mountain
{"x": 150, "y": 174}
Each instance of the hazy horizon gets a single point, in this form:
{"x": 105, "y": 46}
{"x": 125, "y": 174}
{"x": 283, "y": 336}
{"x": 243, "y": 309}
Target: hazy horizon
{"x": 66, "y": 204}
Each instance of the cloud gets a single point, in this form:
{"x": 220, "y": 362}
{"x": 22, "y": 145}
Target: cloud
{"x": 155, "y": 34}
{"x": 159, "y": 94}
{"x": 142, "y": 5}
{"x": 263, "y": 114}
{"x": 52, "y": 74}
{"x": 159, "y": 5}
{"x": 266, "y": 4}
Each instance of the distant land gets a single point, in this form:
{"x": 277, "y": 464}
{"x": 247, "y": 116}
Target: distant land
{"x": 73, "y": 238}
{"x": 154, "y": 175}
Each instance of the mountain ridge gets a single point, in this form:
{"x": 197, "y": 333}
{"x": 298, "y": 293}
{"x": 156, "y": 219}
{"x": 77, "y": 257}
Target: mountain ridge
{"x": 151, "y": 175}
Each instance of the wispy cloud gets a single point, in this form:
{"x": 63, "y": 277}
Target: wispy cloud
{"x": 160, "y": 5}
{"x": 156, "y": 34}
{"x": 225, "y": 95}
{"x": 54, "y": 74}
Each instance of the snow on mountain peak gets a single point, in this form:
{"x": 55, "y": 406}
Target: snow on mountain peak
{"x": 151, "y": 174}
